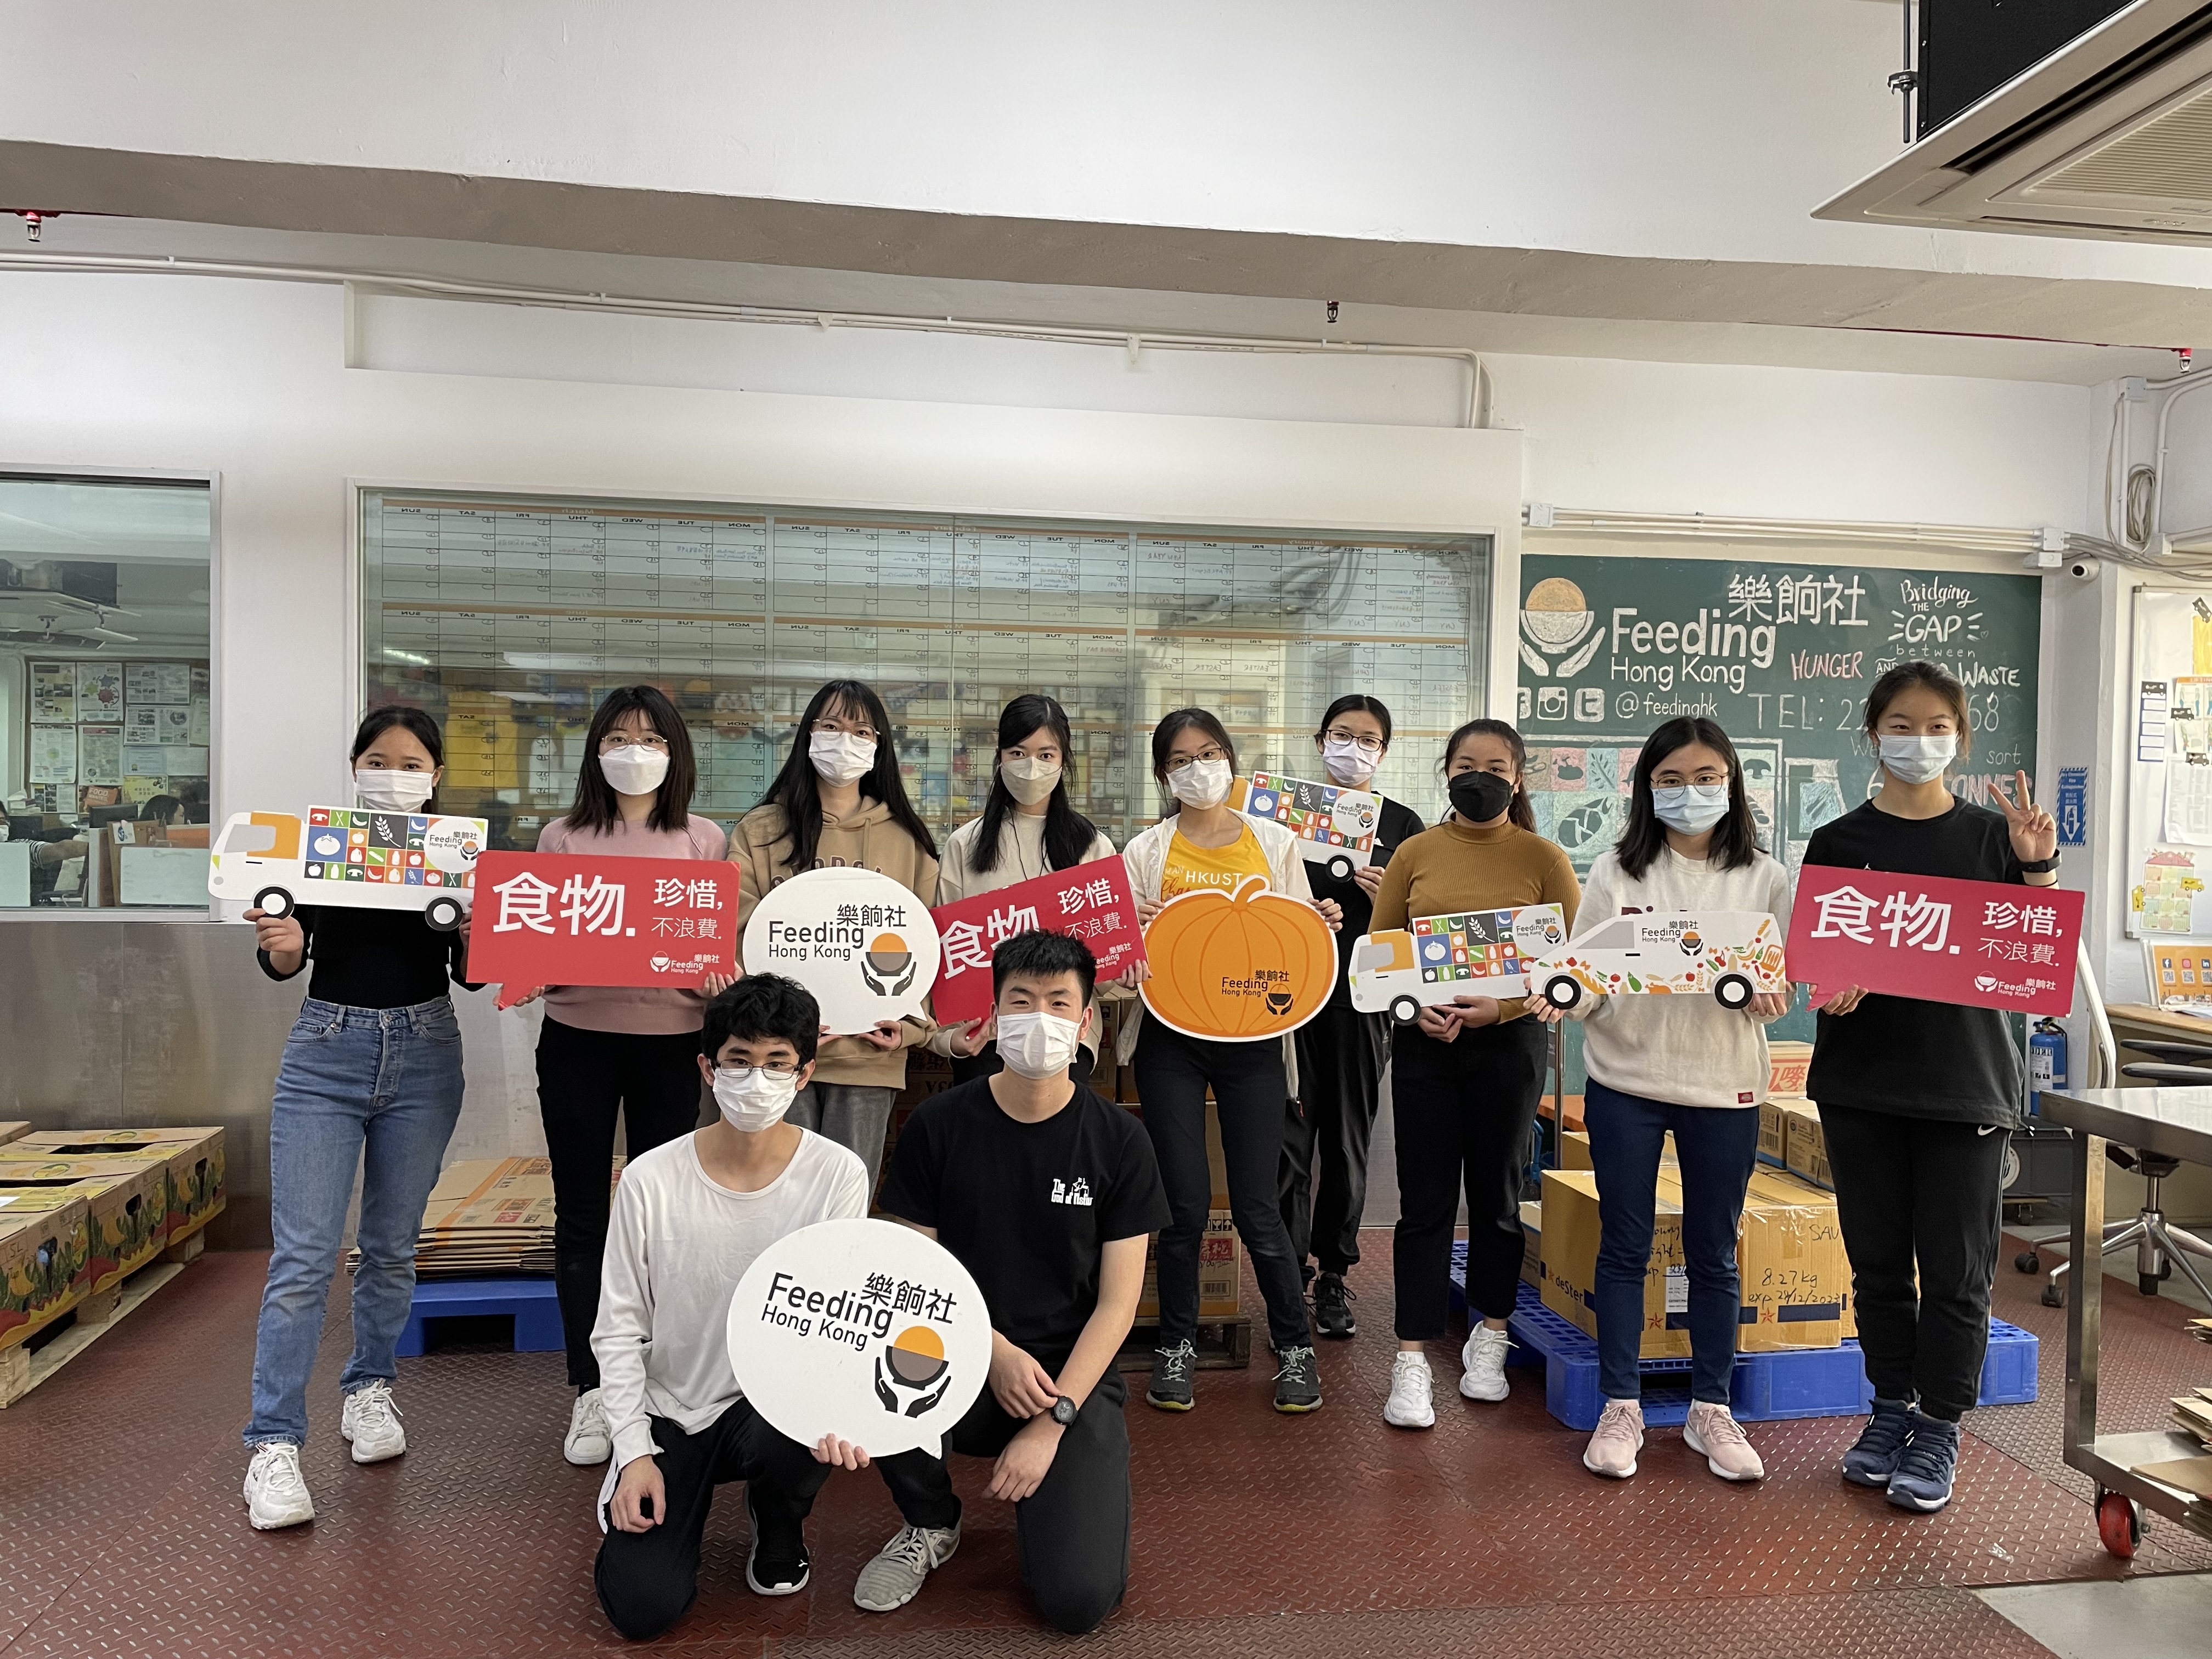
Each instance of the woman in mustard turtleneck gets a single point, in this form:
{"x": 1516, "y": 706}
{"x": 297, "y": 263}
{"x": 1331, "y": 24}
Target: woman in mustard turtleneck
{"x": 1466, "y": 1079}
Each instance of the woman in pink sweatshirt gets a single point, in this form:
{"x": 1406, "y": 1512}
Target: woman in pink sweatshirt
{"x": 605, "y": 1049}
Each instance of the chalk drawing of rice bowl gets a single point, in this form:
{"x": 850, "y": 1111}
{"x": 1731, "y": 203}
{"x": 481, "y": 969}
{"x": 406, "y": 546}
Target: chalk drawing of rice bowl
{"x": 1555, "y": 616}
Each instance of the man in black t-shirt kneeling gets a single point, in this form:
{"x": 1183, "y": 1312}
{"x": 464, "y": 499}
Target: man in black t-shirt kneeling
{"x": 1046, "y": 1194}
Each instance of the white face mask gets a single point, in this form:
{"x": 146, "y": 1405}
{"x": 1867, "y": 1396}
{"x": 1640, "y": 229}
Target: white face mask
{"x": 1694, "y": 808}
{"x": 1917, "y": 760}
{"x": 839, "y": 757}
{"x": 1037, "y": 1045}
{"x": 393, "y": 791}
{"x": 1348, "y": 764}
{"x": 1201, "y": 783}
{"x": 1029, "y": 781}
{"x": 634, "y": 768}
{"x": 753, "y": 1099}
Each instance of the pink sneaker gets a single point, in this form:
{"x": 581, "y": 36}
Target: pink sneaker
{"x": 1616, "y": 1440}
{"x": 1719, "y": 1439}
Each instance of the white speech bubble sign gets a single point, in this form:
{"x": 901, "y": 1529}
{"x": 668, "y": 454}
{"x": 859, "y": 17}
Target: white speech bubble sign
{"x": 862, "y": 943}
{"x": 863, "y": 1329}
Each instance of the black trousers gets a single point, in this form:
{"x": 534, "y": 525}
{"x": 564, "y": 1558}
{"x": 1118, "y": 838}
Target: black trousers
{"x": 1173, "y": 1072}
{"x": 1914, "y": 1191}
{"x": 1341, "y": 1052}
{"x": 1463, "y": 1112}
{"x": 647, "y": 1580}
{"x": 1073, "y": 1530}
{"x": 583, "y": 1079}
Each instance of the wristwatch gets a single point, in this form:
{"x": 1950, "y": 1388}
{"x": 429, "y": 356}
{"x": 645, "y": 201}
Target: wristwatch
{"x": 2040, "y": 867}
{"x": 1064, "y": 1411}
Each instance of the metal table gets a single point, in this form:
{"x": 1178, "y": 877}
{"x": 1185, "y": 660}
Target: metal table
{"x": 2179, "y": 1123}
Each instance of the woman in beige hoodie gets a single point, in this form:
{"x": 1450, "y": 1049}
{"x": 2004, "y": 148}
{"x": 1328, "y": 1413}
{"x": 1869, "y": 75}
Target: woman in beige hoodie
{"x": 839, "y": 801}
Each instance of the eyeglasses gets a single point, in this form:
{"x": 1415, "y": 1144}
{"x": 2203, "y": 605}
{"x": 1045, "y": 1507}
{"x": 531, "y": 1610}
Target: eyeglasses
{"x": 860, "y": 729}
{"x": 1364, "y": 745}
{"x": 611, "y": 741}
{"x": 1211, "y": 752}
{"x": 773, "y": 1069}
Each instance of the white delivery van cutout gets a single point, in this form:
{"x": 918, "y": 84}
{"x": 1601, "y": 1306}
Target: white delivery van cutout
{"x": 1731, "y": 953}
{"x": 353, "y": 857}
{"x": 1433, "y": 959}
{"x": 1335, "y": 826}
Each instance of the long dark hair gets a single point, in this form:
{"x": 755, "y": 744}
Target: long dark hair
{"x": 1356, "y": 702}
{"x": 1520, "y": 813}
{"x": 1905, "y": 677}
{"x": 1172, "y": 723}
{"x": 1068, "y": 836}
{"x": 416, "y": 721}
{"x": 1735, "y": 837}
{"x": 795, "y": 789}
{"x": 595, "y": 807}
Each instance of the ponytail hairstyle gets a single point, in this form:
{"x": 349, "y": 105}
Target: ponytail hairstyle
{"x": 1735, "y": 837}
{"x": 1172, "y": 725}
{"x": 595, "y": 807}
{"x": 418, "y": 723}
{"x": 1520, "y": 814}
{"x": 1068, "y": 836}
{"x": 796, "y": 789}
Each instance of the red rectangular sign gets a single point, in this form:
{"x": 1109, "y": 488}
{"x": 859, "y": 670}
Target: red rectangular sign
{"x": 1983, "y": 943}
{"x": 563, "y": 918}
{"x": 1089, "y": 901}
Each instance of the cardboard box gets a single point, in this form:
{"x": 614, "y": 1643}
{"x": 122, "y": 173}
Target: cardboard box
{"x": 13, "y": 1131}
{"x": 1532, "y": 1243}
{"x": 1220, "y": 1272}
{"x": 1575, "y": 1151}
{"x": 1789, "y": 1261}
{"x": 45, "y": 1261}
{"x": 1773, "y": 1130}
{"x": 1807, "y": 1152}
{"x": 1787, "y": 1066}
{"x": 197, "y": 1160}
{"x": 129, "y": 1201}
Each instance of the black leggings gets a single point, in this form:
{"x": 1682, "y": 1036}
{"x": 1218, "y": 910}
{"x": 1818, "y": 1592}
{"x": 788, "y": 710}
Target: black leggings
{"x": 583, "y": 1079}
{"x": 1173, "y": 1072}
{"x": 1463, "y": 1110}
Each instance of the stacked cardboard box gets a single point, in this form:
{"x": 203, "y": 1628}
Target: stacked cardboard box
{"x": 1806, "y": 1151}
{"x": 1788, "y": 1064}
{"x": 487, "y": 1217}
{"x": 45, "y": 1261}
{"x": 14, "y": 1129}
{"x": 194, "y": 1160}
{"x": 1220, "y": 1253}
{"x": 127, "y": 1200}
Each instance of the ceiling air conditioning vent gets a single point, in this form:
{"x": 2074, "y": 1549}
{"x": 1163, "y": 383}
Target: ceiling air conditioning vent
{"x": 2109, "y": 137}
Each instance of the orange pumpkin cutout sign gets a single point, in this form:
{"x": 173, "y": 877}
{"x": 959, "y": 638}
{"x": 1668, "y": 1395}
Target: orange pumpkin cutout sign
{"x": 1238, "y": 967}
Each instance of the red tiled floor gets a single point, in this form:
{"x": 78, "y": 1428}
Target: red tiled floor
{"x": 129, "y": 1536}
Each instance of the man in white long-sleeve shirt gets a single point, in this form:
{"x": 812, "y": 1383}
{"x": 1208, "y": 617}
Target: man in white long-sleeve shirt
{"x": 689, "y": 1217}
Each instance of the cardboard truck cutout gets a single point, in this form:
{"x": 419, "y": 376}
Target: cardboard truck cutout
{"x": 1733, "y": 954}
{"x": 1433, "y": 959}
{"x": 350, "y": 856}
{"x": 1335, "y": 827}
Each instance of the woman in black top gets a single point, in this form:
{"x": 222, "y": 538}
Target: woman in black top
{"x": 1917, "y": 1098}
{"x": 1340, "y": 1051}
{"x": 370, "y": 1078}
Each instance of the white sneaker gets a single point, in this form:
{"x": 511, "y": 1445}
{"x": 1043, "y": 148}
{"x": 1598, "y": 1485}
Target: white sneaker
{"x": 1483, "y": 1362}
{"x": 588, "y": 1441}
{"x": 1712, "y": 1432}
{"x": 371, "y": 1422}
{"x": 275, "y": 1493}
{"x": 1412, "y": 1403}
{"x": 1616, "y": 1440}
{"x": 895, "y": 1576}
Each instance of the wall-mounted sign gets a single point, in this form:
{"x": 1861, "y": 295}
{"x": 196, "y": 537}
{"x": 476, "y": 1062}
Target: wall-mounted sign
{"x": 1238, "y": 967}
{"x": 863, "y": 945}
{"x": 1089, "y": 901}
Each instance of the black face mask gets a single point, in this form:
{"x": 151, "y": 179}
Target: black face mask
{"x": 1479, "y": 797}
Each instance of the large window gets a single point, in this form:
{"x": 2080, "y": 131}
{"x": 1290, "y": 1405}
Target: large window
{"x": 509, "y": 619}
{"x": 106, "y": 699}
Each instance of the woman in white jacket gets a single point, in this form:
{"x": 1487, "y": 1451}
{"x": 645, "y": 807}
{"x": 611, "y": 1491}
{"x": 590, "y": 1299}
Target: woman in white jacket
{"x": 1207, "y": 843}
{"x": 1679, "y": 1063}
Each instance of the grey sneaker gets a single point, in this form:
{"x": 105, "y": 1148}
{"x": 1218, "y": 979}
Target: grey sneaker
{"x": 1171, "y": 1387}
{"x": 1298, "y": 1384}
{"x": 895, "y": 1576}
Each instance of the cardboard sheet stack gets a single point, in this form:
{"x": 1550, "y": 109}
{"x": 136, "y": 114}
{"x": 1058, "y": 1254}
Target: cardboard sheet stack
{"x": 2192, "y": 1414}
{"x": 486, "y": 1217}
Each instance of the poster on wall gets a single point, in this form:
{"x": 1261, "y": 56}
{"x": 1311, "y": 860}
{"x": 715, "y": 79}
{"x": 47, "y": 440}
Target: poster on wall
{"x": 53, "y": 754}
{"x": 172, "y": 682}
{"x": 1779, "y": 653}
{"x": 142, "y": 723}
{"x": 100, "y": 754}
{"x": 98, "y": 691}
{"x": 53, "y": 693}
{"x": 198, "y": 724}
{"x": 142, "y": 683}
{"x": 140, "y": 761}
{"x": 183, "y": 761}
{"x": 2168, "y": 813}
{"x": 197, "y": 682}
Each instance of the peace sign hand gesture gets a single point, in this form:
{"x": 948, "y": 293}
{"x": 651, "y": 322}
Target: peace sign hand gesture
{"x": 2034, "y": 831}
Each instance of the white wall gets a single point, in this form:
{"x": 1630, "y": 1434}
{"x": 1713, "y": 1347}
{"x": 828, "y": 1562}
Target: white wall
{"x": 1696, "y": 129}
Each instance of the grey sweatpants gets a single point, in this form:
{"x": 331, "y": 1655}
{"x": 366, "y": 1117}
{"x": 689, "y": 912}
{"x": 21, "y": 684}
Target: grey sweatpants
{"x": 853, "y": 1116}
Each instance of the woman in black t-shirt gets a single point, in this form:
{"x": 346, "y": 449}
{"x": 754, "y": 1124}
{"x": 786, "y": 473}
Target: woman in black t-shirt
{"x": 371, "y": 1077}
{"x": 1918, "y": 1099}
{"x": 1341, "y": 1050}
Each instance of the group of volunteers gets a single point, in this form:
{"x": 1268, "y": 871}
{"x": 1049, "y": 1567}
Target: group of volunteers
{"x": 1914, "y": 1097}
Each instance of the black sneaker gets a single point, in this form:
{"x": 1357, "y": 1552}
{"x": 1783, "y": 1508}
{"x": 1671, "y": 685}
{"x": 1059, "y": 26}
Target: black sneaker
{"x": 1171, "y": 1387}
{"x": 1298, "y": 1384}
{"x": 1331, "y": 1306}
{"x": 778, "y": 1565}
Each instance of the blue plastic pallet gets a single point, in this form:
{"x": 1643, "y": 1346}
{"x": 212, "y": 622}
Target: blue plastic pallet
{"x": 534, "y": 1302}
{"x": 1798, "y": 1383}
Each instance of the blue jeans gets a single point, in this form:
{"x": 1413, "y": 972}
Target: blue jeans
{"x": 1717, "y": 1146}
{"x": 386, "y": 1082}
